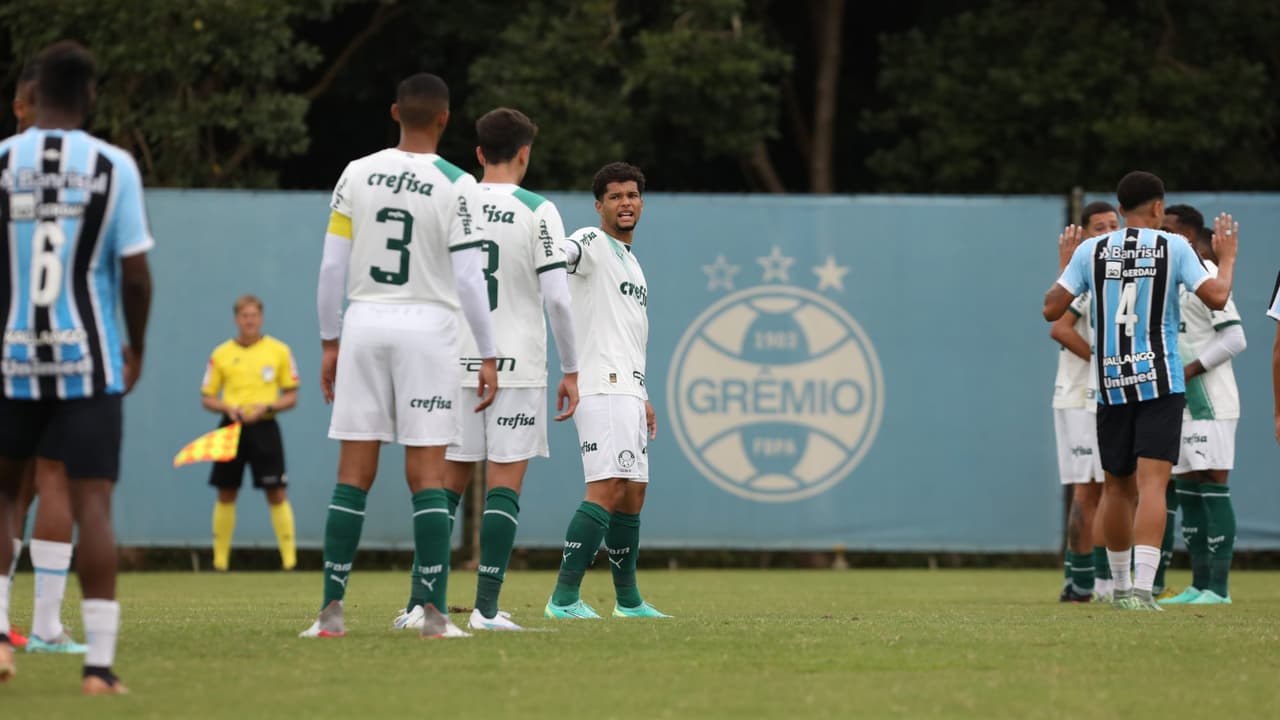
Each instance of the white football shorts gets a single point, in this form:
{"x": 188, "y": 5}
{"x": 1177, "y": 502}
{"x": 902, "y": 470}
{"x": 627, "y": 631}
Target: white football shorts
{"x": 512, "y": 429}
{"x": 1078, "y": 458}
{"x": 1207, "y": 445}
{"x": 614, "y": 437}
{"x": 398, "y": 375}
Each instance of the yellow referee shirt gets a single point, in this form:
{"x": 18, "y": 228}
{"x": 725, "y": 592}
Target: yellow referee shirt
{"x": 252, "y": 375}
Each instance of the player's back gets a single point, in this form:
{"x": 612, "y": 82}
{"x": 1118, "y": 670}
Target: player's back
{"x": 1135, "y": 274}
{"x": 522, "y": 232}
{"x": 407, "y": 210}
{"x": 72, "y": 208}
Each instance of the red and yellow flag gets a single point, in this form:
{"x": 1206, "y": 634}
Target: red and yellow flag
{"x": 217, "y": 446}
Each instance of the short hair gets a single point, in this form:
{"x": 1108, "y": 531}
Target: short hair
{"x": 1094, "y": 208}
{"x": 502, "y": 132}
{"x": 248, "y": 299}
{"x": 1139, "y": 188}
{"x": 616, "y": 172}
{"x": 1187, "y": 215}
{"x": 1204, "y": 236}
{"x": 420, "y": 99}
{"x": 65, "y": 71}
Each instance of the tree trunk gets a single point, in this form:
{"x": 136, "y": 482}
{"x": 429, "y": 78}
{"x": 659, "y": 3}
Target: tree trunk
{"x": 829, "y": 25}
{"x": 760, "y": 168}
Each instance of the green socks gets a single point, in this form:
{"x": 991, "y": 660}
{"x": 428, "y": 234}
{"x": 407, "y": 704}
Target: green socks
{"x": 1101, "y": 565}
{"x": 418, "y": 591}
{"x": 497, "y": 536}
{"x": 431, "y": 534}
{"x": 1221, "y": 535}
{"x": 1081, "y": 571}
{"x": 341, "y": 538}
{"x": 581, "y": 542}
{"x": 1194, "y": 522}
{"x": 622, "y": 541}
{"x": 1166, "y": 543}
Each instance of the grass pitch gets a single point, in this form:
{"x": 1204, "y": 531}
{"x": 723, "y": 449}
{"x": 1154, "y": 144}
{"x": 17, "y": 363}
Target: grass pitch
{"x": 744, "y": 644}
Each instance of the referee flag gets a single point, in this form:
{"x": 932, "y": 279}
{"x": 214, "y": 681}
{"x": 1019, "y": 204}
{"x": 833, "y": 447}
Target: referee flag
{"x": 217, "y": 446}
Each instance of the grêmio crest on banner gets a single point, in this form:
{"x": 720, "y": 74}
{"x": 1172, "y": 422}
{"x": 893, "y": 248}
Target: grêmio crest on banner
{"x": 775, "y": 391}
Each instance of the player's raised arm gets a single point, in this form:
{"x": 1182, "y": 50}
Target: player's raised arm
{"x": 1215, "y": 291}
{"x": 331, "y": 287}
{"x": 1074, "y": 274}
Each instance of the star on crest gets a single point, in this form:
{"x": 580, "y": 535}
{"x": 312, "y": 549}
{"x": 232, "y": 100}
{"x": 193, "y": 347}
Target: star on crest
{"x": 830, "y": 275}
{"x": 776, "y": 266}
{"x": 720, "y": 274}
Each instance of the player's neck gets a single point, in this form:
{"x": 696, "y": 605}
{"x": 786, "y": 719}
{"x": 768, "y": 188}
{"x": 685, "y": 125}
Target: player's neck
{"x": 501, "y": 173}
{"x": 622, "y": 236}
{"x": 419, "y": 142}
{"x": 57, "y": 120}
{"x": 248, "y": 340}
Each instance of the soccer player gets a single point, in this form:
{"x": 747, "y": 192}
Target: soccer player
{"x": 257, "y": 379}
{"x": 1213, "y": 338}
{"x": 403, "y": 221}
{"x": 1133, "y": 275}
{"x": 77, "y": 218}
{"x": 615, "y": 420}
{"x": 525, "y": 270}
{"x": 1074, "y": 420}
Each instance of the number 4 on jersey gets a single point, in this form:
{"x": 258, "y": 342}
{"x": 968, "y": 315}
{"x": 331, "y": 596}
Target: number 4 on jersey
{"x": 1127, "y": 312}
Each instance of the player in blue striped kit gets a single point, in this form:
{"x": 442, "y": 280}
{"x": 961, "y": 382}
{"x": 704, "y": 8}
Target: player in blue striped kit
{"x": 73, "y": 244}
{"x": 1133, "y": 275}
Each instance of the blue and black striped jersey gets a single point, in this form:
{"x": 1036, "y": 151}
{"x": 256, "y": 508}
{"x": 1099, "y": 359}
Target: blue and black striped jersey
{"x": 70, "y": 208}
{"x": 1134, "y": 274}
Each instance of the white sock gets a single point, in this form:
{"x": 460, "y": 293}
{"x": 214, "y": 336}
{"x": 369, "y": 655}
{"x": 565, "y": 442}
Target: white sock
{"x": 1119, "y": 560}
{"x": 17, "y": 553}
{"x": 1104, "y": 586}
{"x": 4, "y": 604}
{"x": 1146, "y": 560}
{"x": 101, "y": 625}
{"x": 51, "y": 561}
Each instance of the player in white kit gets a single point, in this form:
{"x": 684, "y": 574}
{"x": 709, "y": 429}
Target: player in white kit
{"x": 1208, "y": 340}
{"x": 524, "y": 270}
{"x": 615, "y": 420}
{"x": 1075, "y": 408}
{"x": 404, "y": 242}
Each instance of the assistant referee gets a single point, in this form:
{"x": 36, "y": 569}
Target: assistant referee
{"x": 250, "y": 379}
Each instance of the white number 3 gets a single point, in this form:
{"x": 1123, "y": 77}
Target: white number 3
{"x": 1127, "y": 314}
{"x": 46, "y": 263}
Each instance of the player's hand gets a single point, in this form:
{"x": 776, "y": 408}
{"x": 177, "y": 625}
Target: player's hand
{"x": 1278, "y": 428}
{"x": 487, "y": 387}
{"x": 234, "y": 414}
{"x": 132, "y": 368}
{"x": 328, "y": 368}
{"x": 1226, "y": 232}
{"x": 253, "y": 415}
{"x": 1068, "y": 241}
{"x": 567, "y": 396}
{"x": 651, "y": 419}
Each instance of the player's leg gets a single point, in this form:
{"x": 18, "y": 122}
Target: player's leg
{"x": 1119, "y": 502}
{"x": 1187, "y": 484}
{"x": 85, "y": 436}
{"x": 1166, "y": 541}
{"x": 497, "y": 536}
{"x": 457, "y": 476}
{"x": 1157, "y": 445}
{"x": 425, "y": 472}
{"x": 225, "y": 478}
{"x": 363, "y": 417}
{"x": 10, "y": 473}
{"x": 1084, "y": 506}
{"x": 51, "y": 551}
{"x": 1220, "y": 537}
{"x": 26, "y": 497}
{"x": 622, "y": 542}
{"x": 582, "y": 540}
{"x": 267, "y": 462}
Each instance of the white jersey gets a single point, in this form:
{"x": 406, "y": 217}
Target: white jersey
{"x": 610, "y": 317}
{"x": 408, "y": 211}
{"x": 523, "y": 232}
{"x": 1213, "y": 395}
{"x": 1076, "y": 385}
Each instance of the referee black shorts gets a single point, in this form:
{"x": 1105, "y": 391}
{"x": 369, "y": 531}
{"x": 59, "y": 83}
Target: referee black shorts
{"x": 84, "y": 433}
{"x": 261, "y": 449}
{"x": 1149, "y": 429}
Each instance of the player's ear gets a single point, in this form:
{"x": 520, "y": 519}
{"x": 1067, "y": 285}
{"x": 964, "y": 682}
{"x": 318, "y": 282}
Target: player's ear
{"x": 480, "y": 156}
{"x": 522, "y": 155}
{"x": 442, "y": 119}
{"x": 395, "y": 113}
